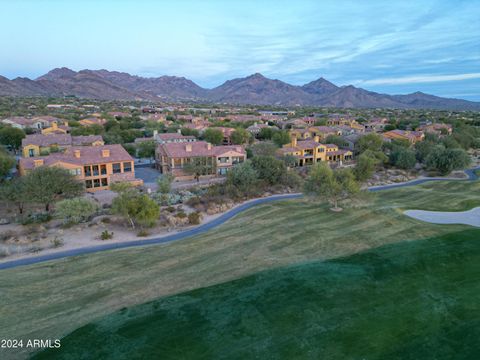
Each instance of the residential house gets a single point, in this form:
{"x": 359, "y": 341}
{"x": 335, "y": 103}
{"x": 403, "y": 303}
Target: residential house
{"x": 256, "y": 128}
{"x": 56, "y": 129}
{"x": 171, "y": 158}
{"x": 97, "y": 166}
{"x": 39, "y": 144}
{"x": 437, "y": 128}
{"x": 227, "y": 134}
{"x": 411, "y": 136}
{"x": 339, "y": 119}
{"x": 311, "y": 151}
{"x": 119, "y": 114}
{"x": 375, "y": 124}
{"x": 92, "y": 121}
{"x": 352, "y": 142}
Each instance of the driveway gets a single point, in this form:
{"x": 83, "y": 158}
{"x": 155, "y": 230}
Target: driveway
{"x": 147, "y": 174}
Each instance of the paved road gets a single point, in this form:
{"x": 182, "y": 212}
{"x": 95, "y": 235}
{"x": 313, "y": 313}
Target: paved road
{"x": 470, "y": 173}
{"x": 197, "y": 230}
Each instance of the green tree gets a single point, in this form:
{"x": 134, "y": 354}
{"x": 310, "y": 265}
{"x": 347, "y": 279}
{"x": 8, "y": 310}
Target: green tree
{"x": 269, "y": 169}
{"x": 243, "y": 177}
{"x": 446, "y": 160}
{"x": 12, "y": 192}
{"x": 371, "y": 142}
{"x": 76, "y": 210}
{"x": 263, "y": 149}
{"x": 146, "y": 149}
{"x": 240, "y": 136}
{"x": 46, "y": 185}
{"x": 6, "y": 164}
{"x": 12, "y": 137}
{"x": 365, "y": 167}
{"x": 164, "y": 183}
{"x": 189, "y": 132}
{"x": 93, "y": 129}
{"x": 213, "y": 136}
{"x": 324, "y": 183}
{"x": 138, "y": 209}
{"x": 200, "y": 166}
{"x": 337, "y": 140}
{"x": 403, "y": 158}
{"x": 281, "y": 138}
{"x": 266, "y": 133}
{"x": 131, "y": 149}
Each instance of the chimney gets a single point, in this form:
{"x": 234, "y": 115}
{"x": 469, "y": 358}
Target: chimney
{"x": 76, "y": 153}
{"x": 179, "y": 131}
{"x": 54, "y": 125}
{"x": 209, "y": 146}
{"x": 316, "y": 138}
{"x": 188, "y": 148}
{"x": 155, "y": 133}
{"x": 294, "y": 140}
{"x": 37, "y": 162}
{"x": 65, "y": 123}
{"x": 105, "y": 153}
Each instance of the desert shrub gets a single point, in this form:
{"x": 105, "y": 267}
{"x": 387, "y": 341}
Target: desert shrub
{"x": 106, "y": 220}
{"x": 143, "y": 233}
{"x": 36, "y": 218}
{"x": 194, "y": 218}
{"x": 57, "y": 242}
{"x": 292, "y": 179}
{"x": 181, "y": 215}
{"x": 5, "y": 235}
{"x": 170, "y": 209}
{"x": 75, "y": 210}
{"x": 106, "y": 235}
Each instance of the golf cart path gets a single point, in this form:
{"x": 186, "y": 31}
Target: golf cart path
{"x": 201, "y": 228}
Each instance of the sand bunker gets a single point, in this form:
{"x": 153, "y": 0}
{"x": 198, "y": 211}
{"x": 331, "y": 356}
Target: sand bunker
{"x": 470, "y": 217}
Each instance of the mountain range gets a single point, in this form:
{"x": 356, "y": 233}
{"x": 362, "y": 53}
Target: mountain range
{"x": 255, "y": 89}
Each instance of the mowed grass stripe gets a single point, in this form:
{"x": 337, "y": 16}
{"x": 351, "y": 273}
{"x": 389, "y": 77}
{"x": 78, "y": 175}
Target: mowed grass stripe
{"x": 399, "y": 301}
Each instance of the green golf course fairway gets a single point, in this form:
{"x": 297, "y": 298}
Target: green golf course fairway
{"x": 410, "y": 300}
{"x": 53, "y": 299}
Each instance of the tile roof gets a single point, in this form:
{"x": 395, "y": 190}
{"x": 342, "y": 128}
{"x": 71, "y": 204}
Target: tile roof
{"x": 88, "y": 155}
{"x": 198, "y": 148}
{"x": 172, "y": 136}
{"x": 59, "y": 139}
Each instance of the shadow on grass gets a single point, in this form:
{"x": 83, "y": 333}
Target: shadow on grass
{"x": 410, "y": 300}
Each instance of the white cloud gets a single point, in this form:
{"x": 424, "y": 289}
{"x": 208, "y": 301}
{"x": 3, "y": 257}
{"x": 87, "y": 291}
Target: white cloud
{"x": 418, "y": 79}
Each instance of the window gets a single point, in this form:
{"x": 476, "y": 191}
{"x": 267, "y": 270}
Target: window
{"x": 103, "y": 169}
{"x": 104, "y": 181}
{"x": 87, "y": 170}
{"x": 96, "y": 183}
{"x": 88, "y": 184}
{"x": 223, "y": 160}
{"x": 77, "y": 171}
{"x": 31, "y": 153}
{"x": 116, "y": 168}
{"x": 127, "y": 167}
{"x": 95, "y": 170}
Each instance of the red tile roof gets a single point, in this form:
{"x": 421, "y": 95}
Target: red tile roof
{"x": 88, "y": 155}
{"x": 59, "y": 139}
{"x": 197, "y": 149}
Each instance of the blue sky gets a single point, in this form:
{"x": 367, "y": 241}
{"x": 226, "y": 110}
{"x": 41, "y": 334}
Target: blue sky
{"x": 384, "y": 46}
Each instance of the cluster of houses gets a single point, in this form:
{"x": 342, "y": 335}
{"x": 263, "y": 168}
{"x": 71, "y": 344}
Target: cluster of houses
{"x": 99, "y": 165}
